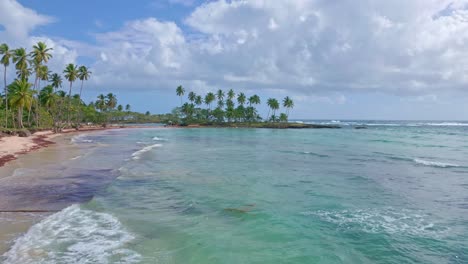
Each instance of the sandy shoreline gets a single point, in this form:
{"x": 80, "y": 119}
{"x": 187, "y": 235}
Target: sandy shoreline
{"x": 23, "y": 199}
{"x": 11, "y": 147}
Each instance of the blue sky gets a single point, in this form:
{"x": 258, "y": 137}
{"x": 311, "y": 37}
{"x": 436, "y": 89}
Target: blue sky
{"x": 402, "y": 59}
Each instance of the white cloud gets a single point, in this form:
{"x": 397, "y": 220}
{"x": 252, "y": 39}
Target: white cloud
{"x": 403, "y": 47}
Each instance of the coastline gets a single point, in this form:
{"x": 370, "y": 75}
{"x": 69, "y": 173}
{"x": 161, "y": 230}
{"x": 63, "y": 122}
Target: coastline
{"x": 19, "y": 207}
{"x": 11, "y": 147}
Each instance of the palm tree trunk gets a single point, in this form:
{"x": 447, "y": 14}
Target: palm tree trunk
{"x": 20, "y": 117}
{"x": 30, "y": 106}
{"x": 69, "y": 103}
{"x": 79, "y": 118}
{"x": 6, "y": 98}
{"x": 268, "y": 116}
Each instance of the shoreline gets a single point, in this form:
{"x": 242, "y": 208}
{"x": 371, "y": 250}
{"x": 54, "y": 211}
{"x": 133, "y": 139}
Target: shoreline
{"x": 11, "y": 147}
{"x": 17, "y": 212}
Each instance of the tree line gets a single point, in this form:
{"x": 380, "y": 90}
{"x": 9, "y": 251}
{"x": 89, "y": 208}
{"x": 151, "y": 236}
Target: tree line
{"x": 221, "y": 107}
{"x": 35, "y": 98}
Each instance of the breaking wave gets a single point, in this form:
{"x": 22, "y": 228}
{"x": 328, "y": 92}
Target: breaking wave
{"x": 74, "y": 235}
{"x": 137, "y": 155}
{"x": 435, "y": 164}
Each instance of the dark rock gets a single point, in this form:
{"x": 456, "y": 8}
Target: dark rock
{"x": 24, "y": 133}
{"x": 360, "y": 127}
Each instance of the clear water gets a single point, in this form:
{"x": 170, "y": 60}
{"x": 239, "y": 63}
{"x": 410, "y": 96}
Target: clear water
{"x": 393, "y": 193}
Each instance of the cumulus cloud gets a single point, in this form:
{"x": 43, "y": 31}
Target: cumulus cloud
{"x": 307, "y": 48}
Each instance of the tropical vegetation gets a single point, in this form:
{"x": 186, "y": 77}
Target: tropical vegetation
{"x": 35, "y": 99}
{"x": 227, "y": 107}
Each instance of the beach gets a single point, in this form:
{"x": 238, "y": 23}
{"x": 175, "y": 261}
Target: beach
{"x": 227, "y": 195}
{"x": 26, "y": 198}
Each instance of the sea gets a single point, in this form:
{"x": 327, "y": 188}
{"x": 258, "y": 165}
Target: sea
{"x": 392, "y": 192}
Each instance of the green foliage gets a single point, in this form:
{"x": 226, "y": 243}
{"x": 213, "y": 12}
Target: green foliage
{"x": 226, "y": 109}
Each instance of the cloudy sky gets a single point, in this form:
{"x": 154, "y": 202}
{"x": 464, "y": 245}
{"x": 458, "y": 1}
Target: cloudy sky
{"x": 343, "y": 59}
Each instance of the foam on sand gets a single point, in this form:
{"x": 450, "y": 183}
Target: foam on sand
{"x": 74, "y": 235}
{"x": 137, "y": 155}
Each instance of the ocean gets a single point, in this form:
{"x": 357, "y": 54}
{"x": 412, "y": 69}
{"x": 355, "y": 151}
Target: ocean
{"x": 396, "y": 192}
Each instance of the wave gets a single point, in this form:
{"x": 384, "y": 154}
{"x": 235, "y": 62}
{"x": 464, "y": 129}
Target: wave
{"x": 74, "y": 235}
{"x": 315, "y": 154}
{"x": 435, "y": 164}
{"x": 386, "y": 220}
{"x": 81, "y": 139}
{"x": 137, "y": 155}
{"x": 77, "y": 157}
{"x": 159, "y": 139}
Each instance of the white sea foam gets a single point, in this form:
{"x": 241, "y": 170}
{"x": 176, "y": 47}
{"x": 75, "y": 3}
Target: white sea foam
{"x": 435, "y": 163}
{"x": 81, "y": 139}
{"x": 159, "y": 139}
{"x": 137, "y": 155}
{"x": 74, "y": 235}
{"x": 386, "y": 220}
{"x": 77, "y": 157}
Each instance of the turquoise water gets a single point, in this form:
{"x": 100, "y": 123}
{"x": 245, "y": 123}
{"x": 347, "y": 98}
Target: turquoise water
{"x": 392, "y": 193}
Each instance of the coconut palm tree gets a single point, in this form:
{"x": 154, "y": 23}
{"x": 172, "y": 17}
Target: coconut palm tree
{"x": 241, "y": 99}
{"x": 254, "y": 99}
{"x": 111, "y": 101}
{"x": 209, "y": 98}
{"x": 274, "y": 105}
{"x": 20, "y": 58}
{"x": 101, "y": 103}
{"x": 220, "y": 95}
{"x": 5, "y": 61}
{"x": 128, "y": 108}
{"x": 56, "y": 80}
{"x": 198, "y": 100}
{"x": 180, "y": 91}
{"x": 71, "y": 73}
{"x": 47, "y": 97}
{"x": 231, "y": 94}
{"x": 192, "y": 96}
{"x": 41, "y": 53}
{"x": 288, "y": 104}
{"x": 21, "y": 96}
{"x": 83, "y": 75}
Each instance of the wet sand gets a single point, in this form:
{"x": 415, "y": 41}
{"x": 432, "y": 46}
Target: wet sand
{"x": 40, "y": 183}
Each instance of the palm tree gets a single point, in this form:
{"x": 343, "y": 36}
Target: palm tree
{"x": 209, "y": 98}
{"x": 21, "y": 96}
{"x": 56, "y": 81}
{"x": 180, "y": 91}
{"x": 41, "y": 53}
{"x": 5, "y": 61}
{"x": 47, "y": 97}
{"x": 220, "y": 95}
{"x": 254, "y": 99}
{"x": 198, "y": 100}
{"x": 192, "y": 96}
{"x": 120, "y": 108}
{"x": 288, "y": 104}
{"x": 231, "y": 94}
{"x": 83, "y": 75}
{"x": 283, "y": 117}
{"x": 127, "y": 108}
{"x": 101, "y": 103}
{"x": 273, "y": 104}
{"x": 20, "y": 58}
{"x": 71, "y": 73}
{"x": 241, "y": 99}
{"x": 111, "y": 101}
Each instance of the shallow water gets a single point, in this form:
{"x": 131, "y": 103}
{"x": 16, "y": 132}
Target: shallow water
{"x": 388, "y": 194}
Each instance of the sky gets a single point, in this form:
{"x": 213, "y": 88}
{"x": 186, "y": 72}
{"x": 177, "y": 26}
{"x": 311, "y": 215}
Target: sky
{"x": 337, "y": 59}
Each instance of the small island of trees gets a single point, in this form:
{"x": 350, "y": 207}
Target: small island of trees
{"x": 230, "y": 109}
